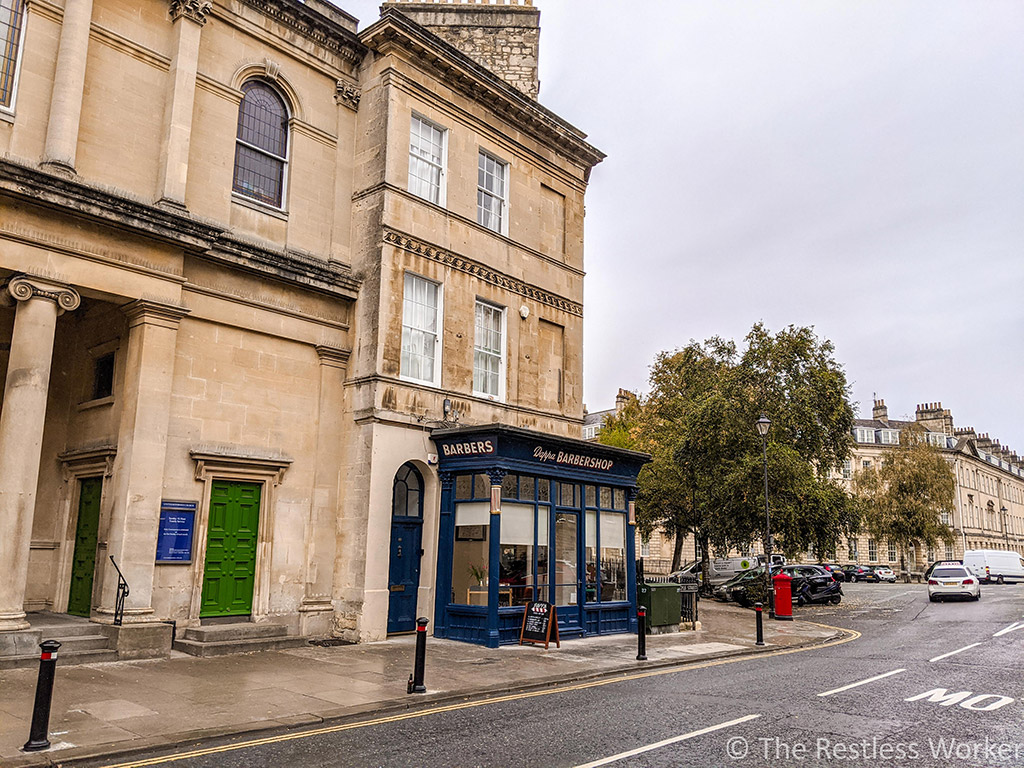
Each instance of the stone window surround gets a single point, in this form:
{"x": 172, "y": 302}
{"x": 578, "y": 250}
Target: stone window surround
{"x": 234, "y": 464}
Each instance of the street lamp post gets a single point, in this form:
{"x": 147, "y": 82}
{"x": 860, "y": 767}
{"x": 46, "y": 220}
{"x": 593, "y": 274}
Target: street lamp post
{"x": 762, "y": 425}
{"x": 1006, "y": 531}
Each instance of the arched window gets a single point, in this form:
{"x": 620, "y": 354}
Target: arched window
{"x": 261, "y": 151}
{"x": 11, "y": 15}
{"x": 407, "y": 493}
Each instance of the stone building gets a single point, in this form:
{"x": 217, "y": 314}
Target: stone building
{"x": 252, "y": 256}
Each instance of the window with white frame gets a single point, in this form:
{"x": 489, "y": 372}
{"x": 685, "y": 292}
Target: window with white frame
{"x": 892, "y": 552}
{"x": 421, "y": 330}
{"x": 489, "y": 351}
{"x": 865, "y": 464}
{"x": 865, "y": 435}
{"x": 847, "y": 469}
{"x": 12, "y": 14}
{"x": 492, "y": 193}
{"x": 872, "y": 550}
{"x": 427, "y": 149}
{"x": 890, "y": 437}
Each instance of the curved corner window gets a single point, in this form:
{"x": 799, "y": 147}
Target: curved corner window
{"x": 12, "y": 14}
{"x": 261, "y": 151}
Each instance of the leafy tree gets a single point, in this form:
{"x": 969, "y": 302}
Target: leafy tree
{"x": 905, "y": 494}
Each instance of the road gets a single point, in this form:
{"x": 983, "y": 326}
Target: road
{"x": 908, "y": 692}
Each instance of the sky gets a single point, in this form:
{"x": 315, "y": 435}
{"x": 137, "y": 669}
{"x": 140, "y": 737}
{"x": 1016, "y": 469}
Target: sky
{"x": 853, "y": 166}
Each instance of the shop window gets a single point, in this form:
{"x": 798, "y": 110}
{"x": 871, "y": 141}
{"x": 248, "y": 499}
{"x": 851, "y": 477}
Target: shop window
{"x": 567, "y": 495}
{"x": 517, "y": 580}
{"x": 492, "y": 193}
{"x": 407, "y": 492}
{"x": 591, "y": 496}
{"x": 489, "y": 352}
{"x": 606, "y": 497}
{"x": 427, "y": 150}
{"x": 510, "y": 487}
{"x": 481, "y": 486}
{"x": 543, "y": 490}
{"x": 464, "y": 487}
{"x": 618, "y": 499}
{"x": 566, "y": 560}
{"x": 612, "y": 567}
{"x": 526, "y": 488}
{"x": 261, "y": 147}
{"x": 12, "y": 13}
{"x": 421, "y": 330}
{"x": 470, "y": 555}
{"x": 103, "y": 376}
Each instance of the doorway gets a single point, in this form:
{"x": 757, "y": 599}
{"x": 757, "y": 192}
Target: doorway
{"x": 83, "y": 562}
{"x": 406, "y": 548}
{"x": 229, "y": 574}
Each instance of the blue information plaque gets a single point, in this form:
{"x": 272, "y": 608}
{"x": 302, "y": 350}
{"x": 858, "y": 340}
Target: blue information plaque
{"x": 177, "y": 525}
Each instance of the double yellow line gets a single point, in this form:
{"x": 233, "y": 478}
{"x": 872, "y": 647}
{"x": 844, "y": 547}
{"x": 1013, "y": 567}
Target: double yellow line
{"x": 851, "y": 635}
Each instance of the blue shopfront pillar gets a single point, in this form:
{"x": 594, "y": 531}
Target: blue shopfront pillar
{"x": 494, "y": 568}
{"x": 631, "y": 556}
{"x": 445, "y": 543}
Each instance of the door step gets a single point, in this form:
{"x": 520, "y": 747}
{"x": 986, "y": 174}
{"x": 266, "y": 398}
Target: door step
{"x": 240, "y": 637}
{"x": 81, "y": 641}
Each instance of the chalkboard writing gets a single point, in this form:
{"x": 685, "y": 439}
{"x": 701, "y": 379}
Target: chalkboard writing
{"x": 174, "y": 536}
{"x": 539, "y": 620}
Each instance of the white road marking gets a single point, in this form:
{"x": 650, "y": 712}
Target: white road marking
{"x": 862, "y": 682}
{"x": 953, "y": 653}
{"x": 666, "y": 742}
{"x": 1012, "y": 628}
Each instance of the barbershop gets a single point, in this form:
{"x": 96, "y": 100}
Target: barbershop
{"x": 528, "y": 517}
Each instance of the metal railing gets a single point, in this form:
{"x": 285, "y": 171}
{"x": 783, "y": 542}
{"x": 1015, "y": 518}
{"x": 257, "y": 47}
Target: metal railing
{"x": 122, "y": 593}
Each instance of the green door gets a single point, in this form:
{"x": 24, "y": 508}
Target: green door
{"x": 229, "y": 574}
{"x": 83, "y": 564}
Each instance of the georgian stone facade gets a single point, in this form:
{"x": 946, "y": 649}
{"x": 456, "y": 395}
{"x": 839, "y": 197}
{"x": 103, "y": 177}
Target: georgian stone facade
{"x": 190, "y": 310}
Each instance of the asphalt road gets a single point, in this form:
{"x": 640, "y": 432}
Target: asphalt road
{"x": 902, "y": 694}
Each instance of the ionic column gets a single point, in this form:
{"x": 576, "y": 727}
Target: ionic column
{"x": 68, "y": 86}
{"x": 137, "y": 482}
{"x": 188, "y": 17}
{"x": 39, "y": 302}
{"x": 316, "y": 611}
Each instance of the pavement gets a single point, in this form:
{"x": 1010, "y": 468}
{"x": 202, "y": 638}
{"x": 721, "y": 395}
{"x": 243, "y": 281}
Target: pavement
{"x": 119, "y": 708}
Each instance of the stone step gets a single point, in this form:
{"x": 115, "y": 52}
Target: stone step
{"x": 82, "y": 643}
{"x": 228, "y": 647}
{"x": 63, "y": 659}
{"x": 243, "y": 630}
{"x": 57, "y": 630}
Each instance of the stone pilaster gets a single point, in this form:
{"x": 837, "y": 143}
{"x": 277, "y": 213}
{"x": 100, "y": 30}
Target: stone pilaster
{"x": 39, "y": 302}
{"x": 316, "y": 611}
{"x": 68, "y": 86}
{"x": 137, "y": 483}
{"x": 188, "y": 17}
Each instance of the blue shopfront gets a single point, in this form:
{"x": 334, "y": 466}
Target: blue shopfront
{"x": 527, "y": 516}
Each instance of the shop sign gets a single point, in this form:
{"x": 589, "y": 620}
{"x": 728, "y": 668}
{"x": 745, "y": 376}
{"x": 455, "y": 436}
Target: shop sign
{"x": 572, "y": 459}
{"x": 174, "y": 536}
{"x": 468, "y": 448}
{"x": 539, "y": 619}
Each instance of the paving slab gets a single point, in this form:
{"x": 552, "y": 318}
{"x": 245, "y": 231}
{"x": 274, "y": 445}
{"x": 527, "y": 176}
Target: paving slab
{"x": 119, "y": 707}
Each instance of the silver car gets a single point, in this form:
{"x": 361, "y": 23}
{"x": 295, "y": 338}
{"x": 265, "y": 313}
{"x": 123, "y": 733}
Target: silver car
{"x": 953, "y": 581}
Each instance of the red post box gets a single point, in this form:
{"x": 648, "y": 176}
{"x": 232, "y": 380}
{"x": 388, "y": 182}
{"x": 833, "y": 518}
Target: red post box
{"x": 783, "y": 597}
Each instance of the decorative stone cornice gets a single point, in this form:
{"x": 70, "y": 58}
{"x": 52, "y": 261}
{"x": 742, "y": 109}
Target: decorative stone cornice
{"x": 347, "y": 94}
{"x": 332, "y": 356}
{"x": 144, "y": 311}
{"x": 25, "y": 287}
{"x": 313, "y": 26}
{"x": 486, "y": 274}
{"x": 194, "y": 10}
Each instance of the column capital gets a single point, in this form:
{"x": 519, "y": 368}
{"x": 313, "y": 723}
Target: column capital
{"x": 25, "y": 287}
{"x": 333, "y": 357}
{"x": 347, "y": 94}
{"x": 144, "y": 311}
{"x": 194, "y": 10}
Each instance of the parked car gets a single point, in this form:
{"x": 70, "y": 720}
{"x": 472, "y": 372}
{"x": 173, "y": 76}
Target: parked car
{"x": 835, "y": 569}
{"x": 735, "y": 589}
{"x": 720, "y": 569}
{"x": 813, "y": 584}
{"x": 997, "y": 565}
{"x": 859, "y": 573}
{"x": 885, "y": 573}
{"x": 953, "y": 581}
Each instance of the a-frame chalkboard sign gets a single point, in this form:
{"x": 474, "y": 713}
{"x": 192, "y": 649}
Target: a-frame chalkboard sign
{"x": 539, "y": 621}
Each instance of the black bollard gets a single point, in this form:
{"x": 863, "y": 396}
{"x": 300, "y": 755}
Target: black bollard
{"x": 44, "y": 693}
{"x": 641, "y": 634}
{"x": 760, "y": 627}
{"x": 416, "y": 678}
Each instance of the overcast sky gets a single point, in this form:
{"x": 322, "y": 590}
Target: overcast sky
{"x": 856, "y": 166}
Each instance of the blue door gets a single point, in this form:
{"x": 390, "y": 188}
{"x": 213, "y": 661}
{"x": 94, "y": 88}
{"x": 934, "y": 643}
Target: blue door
{"x": 568, "y": 575}
{"x": 406, "y": 548}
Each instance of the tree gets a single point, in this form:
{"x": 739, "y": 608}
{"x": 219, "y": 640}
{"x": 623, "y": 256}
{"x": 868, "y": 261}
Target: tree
{"x": 706, "y": 476}
{"x": 904, "y": 495}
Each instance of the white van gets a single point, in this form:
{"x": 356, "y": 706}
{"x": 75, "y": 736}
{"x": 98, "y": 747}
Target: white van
{"x": 995, "y": 565}
{"x": 720, "y": 569}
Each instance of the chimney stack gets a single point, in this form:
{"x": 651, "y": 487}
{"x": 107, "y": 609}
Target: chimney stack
{"x": 880, "y": 412}
{"x": 622, "y": 399}
{"x": 934, "y": 417}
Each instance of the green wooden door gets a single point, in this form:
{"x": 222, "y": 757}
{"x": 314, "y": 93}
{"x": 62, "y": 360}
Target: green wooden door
{"x": 229, "y": 574}
{"x": 83, "y": 563}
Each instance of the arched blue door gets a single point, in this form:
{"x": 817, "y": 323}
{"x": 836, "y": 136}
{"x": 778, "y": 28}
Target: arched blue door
{"x": 406, "y": 548}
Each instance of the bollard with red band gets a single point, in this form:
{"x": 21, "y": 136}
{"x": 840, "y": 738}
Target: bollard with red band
{"x": 783, "y": 589}
{"x": 760, "y": 624}
{"x": 416, "y": 678}
{"x": 641, "y": 634}
{"x": 44, "y": 693}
